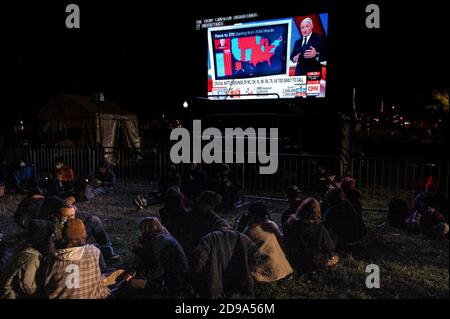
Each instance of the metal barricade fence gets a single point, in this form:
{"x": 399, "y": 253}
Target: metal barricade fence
{"x": 379, "y": 179}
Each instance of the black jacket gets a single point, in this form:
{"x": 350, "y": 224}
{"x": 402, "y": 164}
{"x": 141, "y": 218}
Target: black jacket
{"x": 305, "y": 65}
{"x": 344, "y": 223}
{"x": 203, "y": 221}
{"x": 108, "y": 178}
{"x": 222, "y": 264}
{"x": 354, "y": 197}
{"x": 176, "y": 221}
{"x": 308, "y": 244}
{"x": 27, "y": 210}
{"x": 163, "y": 259}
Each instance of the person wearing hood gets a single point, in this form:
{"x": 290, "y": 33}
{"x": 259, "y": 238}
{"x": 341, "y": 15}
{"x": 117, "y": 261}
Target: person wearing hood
{"x": 73, "y": 272}
{"x": 22, "y": 278}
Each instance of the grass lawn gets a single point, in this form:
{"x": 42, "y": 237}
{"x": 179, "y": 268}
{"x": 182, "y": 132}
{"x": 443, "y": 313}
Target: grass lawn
{"x": 411, "y": 266}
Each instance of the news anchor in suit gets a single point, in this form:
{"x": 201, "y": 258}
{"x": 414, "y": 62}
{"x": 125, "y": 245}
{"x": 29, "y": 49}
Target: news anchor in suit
{"x": 309, "y": 50}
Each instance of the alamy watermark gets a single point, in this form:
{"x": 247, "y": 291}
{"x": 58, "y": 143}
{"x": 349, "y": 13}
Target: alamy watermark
{"x": 220, "y": 148}
{"x": 373, "y": 279}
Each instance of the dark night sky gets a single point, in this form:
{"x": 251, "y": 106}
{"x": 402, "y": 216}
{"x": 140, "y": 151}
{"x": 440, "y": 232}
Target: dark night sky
{"x": 151, "y": 58}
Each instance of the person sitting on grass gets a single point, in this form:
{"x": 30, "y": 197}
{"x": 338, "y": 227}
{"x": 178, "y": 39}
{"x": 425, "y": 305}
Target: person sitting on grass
{"x": 65, "y": 176}
{"x": 265, "y": 233}
{"x": 174, "y": 215}
{"x": 343, "y": 222}
{"x": 352, "y": 194}
{"x": 22, "y": 278}
{"x": 104, "y": 182}
{"x": 40, "y": 204}
{"x": 30, "y": 208}
{"x": 294, "y": 197}
{"x": 161, "y": 260}
{"x": 222, "y": 264}
{"x": 94, "y": 229}
{"x": 226, "y": 183}
{"x": 308, "y": 242}
{"x": 73, "y": 272}
{"x": 170, "y": 180}
{"x": 203, "y": 219}
{"x": 23, "y": 177}
{"x": 428, "y": 213}
{"x": 195, "y": 181}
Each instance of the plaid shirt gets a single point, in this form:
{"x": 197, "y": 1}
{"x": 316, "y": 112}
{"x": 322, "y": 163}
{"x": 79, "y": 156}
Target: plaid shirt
{"x": 61, "y": 280}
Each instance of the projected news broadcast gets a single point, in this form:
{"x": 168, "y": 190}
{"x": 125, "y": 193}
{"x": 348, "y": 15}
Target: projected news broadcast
{"x": 280, "y": 58}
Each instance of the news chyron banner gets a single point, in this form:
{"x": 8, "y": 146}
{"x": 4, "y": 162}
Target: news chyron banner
{"x": 282, "y": 58}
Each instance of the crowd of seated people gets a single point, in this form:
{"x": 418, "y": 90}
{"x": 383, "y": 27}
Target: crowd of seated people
{"x": 429, "y": 214}
{"x": 189, "y": 249}
{"x": 195, "y": 180}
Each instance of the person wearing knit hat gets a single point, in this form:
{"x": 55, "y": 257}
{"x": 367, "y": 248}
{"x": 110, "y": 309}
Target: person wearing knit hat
{"x": 74, "y": 231}
{"x": 94, "y": 228}
{"x": 84, "y": 280}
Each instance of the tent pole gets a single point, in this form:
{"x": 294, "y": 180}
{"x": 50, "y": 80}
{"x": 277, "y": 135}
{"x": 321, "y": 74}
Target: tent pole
{"x": 100, "y": 124}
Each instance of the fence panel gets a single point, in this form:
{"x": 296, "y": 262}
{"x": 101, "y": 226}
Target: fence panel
{"x": 379, "y": 179}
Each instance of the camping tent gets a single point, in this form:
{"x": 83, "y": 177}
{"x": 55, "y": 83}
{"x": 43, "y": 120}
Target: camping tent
{"x": 75, "y": 120}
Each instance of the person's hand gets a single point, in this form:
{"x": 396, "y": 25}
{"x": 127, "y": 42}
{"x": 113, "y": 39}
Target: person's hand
{"x": 333, "y": 261}
{"x": 98, "y": 182}
{"x": 296, "y": 58}
{"x": 37, "y": 197}
{"x": 70, "y": 200}
{"x": 128, "y": 277}
{"x": 431, "y": 210}
{"x": 310, "y": 53}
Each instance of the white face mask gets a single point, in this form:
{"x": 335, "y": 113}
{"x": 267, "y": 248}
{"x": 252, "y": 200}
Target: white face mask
{"x": 58, "y": 166}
